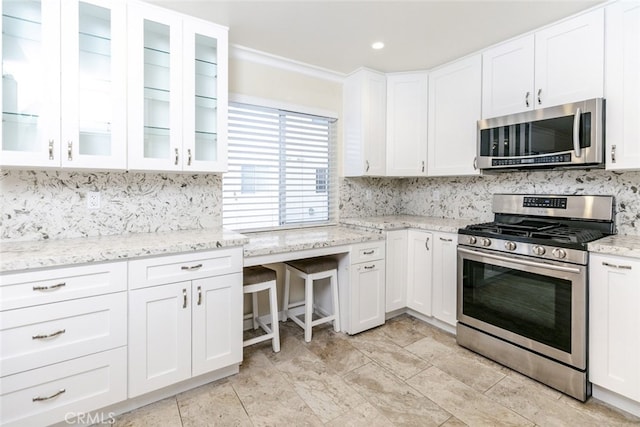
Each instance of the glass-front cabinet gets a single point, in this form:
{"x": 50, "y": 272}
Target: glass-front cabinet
{"x": 63, "y": 84}
{"x": 177, "y": 92}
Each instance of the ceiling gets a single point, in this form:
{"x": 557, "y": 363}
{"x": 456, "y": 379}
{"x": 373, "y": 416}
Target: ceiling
{"x": 337, "y": 35}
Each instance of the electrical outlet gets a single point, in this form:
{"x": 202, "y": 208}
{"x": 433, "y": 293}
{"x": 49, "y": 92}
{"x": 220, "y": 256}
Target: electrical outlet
{"x": 368, "y": 194}
{"x": 93, "y": 200}
{"x": 436, "y": 196}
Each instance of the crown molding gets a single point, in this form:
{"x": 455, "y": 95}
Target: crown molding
{"x": 259, "y": 57}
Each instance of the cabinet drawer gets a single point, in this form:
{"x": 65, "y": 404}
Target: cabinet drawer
{"x": 38, "y": 336}
{"x": 367, "y": 252}
{"x": 52, "y": 285}
{"x": 177, "y": 268}
{"x": 47, "y": 395}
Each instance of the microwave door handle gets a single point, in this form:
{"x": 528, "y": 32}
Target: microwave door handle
{"x": 576, "y": 133}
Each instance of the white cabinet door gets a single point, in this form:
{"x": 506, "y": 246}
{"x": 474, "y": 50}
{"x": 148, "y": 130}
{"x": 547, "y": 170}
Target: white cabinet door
{"x": 367, "y": 296}
{"x": 159, "y": 337}
{"x": 454, "y": 109}
{"x": 217, "y": 323}
{"x": 622, "y": 85}
{"x": 569, "y": 60}
{"x": 614, "y": 324}
{"x": 30, "y": 91}
{"x": 419, "y": 270}
{"x": 364, "y": 113}
{"x": 507, "y": 78}
{"x": 444, "y": 277}
{"x": 406, "y": 143}
{"x": 396, "y": 266}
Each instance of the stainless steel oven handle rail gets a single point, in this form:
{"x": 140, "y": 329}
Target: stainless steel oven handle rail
{"x": 520, "y": 261}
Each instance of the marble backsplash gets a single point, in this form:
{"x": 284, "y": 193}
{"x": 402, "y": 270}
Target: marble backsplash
{"x": 470, "y": 197}
{"x": 36, "y": 205}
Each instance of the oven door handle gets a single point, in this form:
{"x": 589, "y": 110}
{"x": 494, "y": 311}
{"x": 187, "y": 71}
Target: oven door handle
{"x": 522, "y": 261}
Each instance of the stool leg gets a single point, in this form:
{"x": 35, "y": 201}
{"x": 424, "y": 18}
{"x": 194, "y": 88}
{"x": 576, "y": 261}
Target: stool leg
{"x": 336, "y": 305}
{"x": 285, "y": 303}
{"x": 275, "y": 327}
{"x": 308, "y": 307}
{"x": 254, "y": 312}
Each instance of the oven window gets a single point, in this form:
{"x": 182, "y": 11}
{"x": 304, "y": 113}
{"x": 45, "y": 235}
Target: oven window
{"x": 535, "y": 306}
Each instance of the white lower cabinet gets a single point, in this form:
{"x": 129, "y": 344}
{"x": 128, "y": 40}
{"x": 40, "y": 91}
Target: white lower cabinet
{"x": 444, "y": 277}
{"x": 396, "y": 274}
{"x": 363, "y": 300}
{"x": 419, "y": 268}
{"x": 614, "y": 324}
{"x": 187, "y": 328}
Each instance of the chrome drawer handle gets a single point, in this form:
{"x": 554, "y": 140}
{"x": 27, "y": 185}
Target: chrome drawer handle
{"x": 49, "y": 288}
{"x": 56, "y": 394}
{"x": 51, "y": 335}
{"x": 369, "y": 267}
{"x": 199, "y": 295}
{"x": 184, "y": 298}
{"x": 621, "y": 267}
{"x": 371, "y": 252}
{"x": 191, "y": 267}
{"x": 446, "y": 240}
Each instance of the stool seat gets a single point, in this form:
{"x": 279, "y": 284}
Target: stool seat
{"x": 256, "y": 279}
{"x": 314, "y": 265}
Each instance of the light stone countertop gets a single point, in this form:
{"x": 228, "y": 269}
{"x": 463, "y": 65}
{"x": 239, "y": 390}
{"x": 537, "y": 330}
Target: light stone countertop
{"x": 16, "y": 256}
{"x": 620, "y": 245}
{"x": 395, "y": 222}
{"x": 274, "y": 242}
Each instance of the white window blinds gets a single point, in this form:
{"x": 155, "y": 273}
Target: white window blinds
{"x": 281, "y": 169}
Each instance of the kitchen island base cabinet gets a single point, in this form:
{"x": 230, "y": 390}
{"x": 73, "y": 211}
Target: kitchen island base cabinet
{"x": 614, "y": 324}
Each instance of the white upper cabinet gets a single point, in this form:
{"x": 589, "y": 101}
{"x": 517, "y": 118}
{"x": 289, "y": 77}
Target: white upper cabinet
{"x": 454, "y": 109}
{"x": 507, "y": 78}
{"x": 177, "y": 92}
{"x": 406, "y": 143}
{"x": 63, "y": 84}
{"x": 567, "y": 61}
{"x": 622, "y": 85}
{"x": 364, "y": 113}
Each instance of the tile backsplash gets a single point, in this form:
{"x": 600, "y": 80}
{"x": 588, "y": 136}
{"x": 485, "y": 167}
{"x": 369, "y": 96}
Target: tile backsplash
{"x": 37, "y": 205}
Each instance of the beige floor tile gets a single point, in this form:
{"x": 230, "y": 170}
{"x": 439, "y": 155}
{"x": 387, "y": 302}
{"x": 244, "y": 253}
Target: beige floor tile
{"x": 453, "y": 422}
{"x": 401, "y": 404}
{"x": 465, "y": 403}
{"x": 404, "y": 330}
{"x": 364, "y": 415}
{"x": 389, "y": 355}
{"x": 324, "y": 392}
{"x": 163, "y": 413}
{"x": 429, "y": 349}
{"x": 214, "y": 404}
{"x": 336, "y": 351}
{"x": 471, "y": 370}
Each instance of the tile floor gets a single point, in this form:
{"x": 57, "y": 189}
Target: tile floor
{"x": 403, "y": 373}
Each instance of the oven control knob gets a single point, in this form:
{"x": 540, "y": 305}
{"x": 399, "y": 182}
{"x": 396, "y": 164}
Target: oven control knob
{"x": 559, "y": 253}
{"x": 510, "y": 246}
{"x": 472, "y": 240}
{"x": 486, "y": 242}
{"x": 539, "y": 250}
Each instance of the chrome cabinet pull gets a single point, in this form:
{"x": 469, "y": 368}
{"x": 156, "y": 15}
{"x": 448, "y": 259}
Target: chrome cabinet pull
{"x": 539, "y": 96}
{"x": 191, "y": 267}
{"x": 51, "y": 335}
{"x": 177, "y": 158}
{"x": 371, "y": 252}
{"x": 367, "y": 163}
{"x": 184, "y": 298}
{"x": 426, "y": 244}
{"x": 189, "y": 157}
{"x": 70, "y": 151}
{"x": 56, "y": 394}
{"x": 613, "y": 153}
{"x": 446, "y": 240}
{"x": 49, "y": 288}
{"x": 475, "y": 163}
{"x": 51, "y": 149}
{"x": 621, "y": 267}
{"x": 199, "y": 295}
{"x": 423, "y": 166}
{"x": 369, "y": 267}
{"x": 526, "y": 99}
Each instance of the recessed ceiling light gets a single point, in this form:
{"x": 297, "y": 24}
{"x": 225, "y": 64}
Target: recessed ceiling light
{"x": 377, "y": 45}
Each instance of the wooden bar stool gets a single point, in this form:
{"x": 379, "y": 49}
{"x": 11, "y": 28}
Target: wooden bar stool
{"x": 254, "y": 280}
{"x": 309, "y": 270}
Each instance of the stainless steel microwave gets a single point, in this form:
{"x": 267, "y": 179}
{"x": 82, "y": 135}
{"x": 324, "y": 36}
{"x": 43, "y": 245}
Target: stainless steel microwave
{"x": 565, "y": 136}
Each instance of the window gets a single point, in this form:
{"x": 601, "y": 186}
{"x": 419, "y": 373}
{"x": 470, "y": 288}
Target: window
{"x": 281, "y": 169}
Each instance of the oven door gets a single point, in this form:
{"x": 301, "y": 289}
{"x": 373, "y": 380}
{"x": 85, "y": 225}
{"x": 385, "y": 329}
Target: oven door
{"x": 535, "y": 304}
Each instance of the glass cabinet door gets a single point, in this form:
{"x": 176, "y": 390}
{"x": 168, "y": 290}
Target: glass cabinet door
{"x": 205, "y": 97}
{"x": 30, "y": 83}
{"x": 155, "y": 43}
{"x": 93, "y": 84}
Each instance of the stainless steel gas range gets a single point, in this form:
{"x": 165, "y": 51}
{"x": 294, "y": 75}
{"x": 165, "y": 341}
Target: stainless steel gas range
{"x": 522, "y": 285}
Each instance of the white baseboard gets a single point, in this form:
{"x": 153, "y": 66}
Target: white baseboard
{"x": 614, "y": 399}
